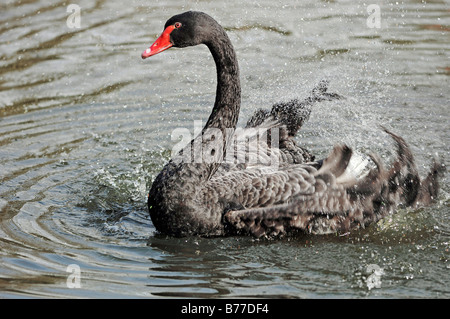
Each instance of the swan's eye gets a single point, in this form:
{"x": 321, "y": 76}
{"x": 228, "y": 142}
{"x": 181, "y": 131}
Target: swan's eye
{"x": 177, "y": 25}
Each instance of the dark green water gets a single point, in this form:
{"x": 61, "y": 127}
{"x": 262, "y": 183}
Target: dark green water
{"x": 85, "y": 125}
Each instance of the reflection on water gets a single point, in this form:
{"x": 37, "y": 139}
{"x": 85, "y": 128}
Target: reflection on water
{"x": 85, "y": 126}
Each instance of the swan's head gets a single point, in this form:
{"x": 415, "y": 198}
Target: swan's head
{"x": 183, "y": 30}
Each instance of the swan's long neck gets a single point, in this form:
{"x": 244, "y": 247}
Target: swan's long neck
{"x": 228, "y": 94}
{"x": 225, "y": 113}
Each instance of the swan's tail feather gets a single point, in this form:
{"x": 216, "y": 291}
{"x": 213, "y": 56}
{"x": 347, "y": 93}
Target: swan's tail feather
{"x": 429, "y": 186}
{"x": 341, "y": 203}
{"x": 403, "y": 177}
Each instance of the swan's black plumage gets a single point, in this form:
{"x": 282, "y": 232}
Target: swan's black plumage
{"x": 216, "y": 198}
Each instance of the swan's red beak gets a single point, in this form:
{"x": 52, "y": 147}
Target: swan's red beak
{"x": 161, "y": 44}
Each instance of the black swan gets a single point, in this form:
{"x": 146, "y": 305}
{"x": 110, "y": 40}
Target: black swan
{"x": 214, "y": 197}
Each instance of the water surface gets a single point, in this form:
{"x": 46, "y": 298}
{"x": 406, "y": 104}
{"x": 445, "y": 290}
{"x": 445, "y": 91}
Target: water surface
{"x": 85, "y": 126}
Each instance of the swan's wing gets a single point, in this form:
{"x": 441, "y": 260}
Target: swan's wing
{"x": 259, "y": 186}
{"x": 264, "y": 186}
{"x": 294, "y": 113}
{"x": 337, "y": 201}
{"x": 288, "y": 118}
{"x": 260, "y": 147}
{"x": 268, "y": 193}
{"x": 336, "y": 205}
{"x": 307, "y": 214}
{"x": 310, "y": 200}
